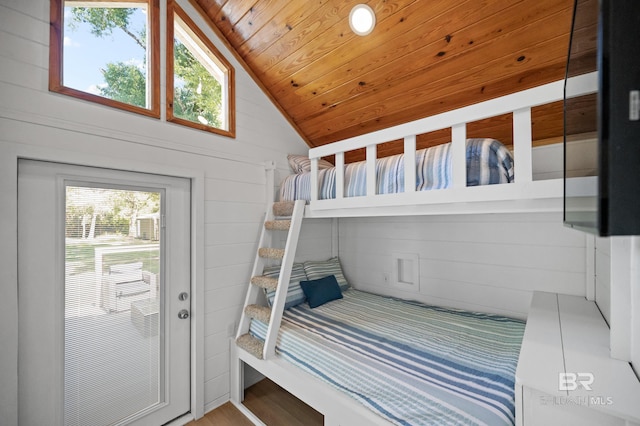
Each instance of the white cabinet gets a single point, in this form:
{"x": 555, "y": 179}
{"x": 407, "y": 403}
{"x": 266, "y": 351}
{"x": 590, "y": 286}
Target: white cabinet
{"x": 565, "y": 375}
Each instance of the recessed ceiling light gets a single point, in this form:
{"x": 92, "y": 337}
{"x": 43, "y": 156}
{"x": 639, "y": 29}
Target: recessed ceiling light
{"x": 362, "y": 19}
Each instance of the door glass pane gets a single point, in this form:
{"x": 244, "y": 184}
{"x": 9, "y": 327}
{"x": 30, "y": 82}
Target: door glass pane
{"x": 112, "y": 355}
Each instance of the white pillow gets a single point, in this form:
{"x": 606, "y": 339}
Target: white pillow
{"x": 301, "y": 163}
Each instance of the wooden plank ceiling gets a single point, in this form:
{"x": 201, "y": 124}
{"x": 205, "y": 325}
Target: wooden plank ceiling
{"x": 422, "y": 58}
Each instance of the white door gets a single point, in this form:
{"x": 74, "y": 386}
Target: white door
{"x": 104, "y": 286}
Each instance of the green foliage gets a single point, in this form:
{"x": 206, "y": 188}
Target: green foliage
{"x": 107, "y": 211}
{"x": 187, "y": 102}
{"x": 125, "y": 83}
{"x": 197, "y": 94}
{"x": 81, "y": 254}
{"x": 103, "y": 20}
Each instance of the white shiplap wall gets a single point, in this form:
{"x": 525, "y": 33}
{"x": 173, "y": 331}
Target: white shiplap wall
{"x": 635, "y": 308}
{"x": 63, "y": 129}
{"x": 490, "y": 263}
{"x": 603, "y": 276}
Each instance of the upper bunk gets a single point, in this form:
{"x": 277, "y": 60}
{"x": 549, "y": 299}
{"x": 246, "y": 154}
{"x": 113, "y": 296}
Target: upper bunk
{"x": 525, "y": 193}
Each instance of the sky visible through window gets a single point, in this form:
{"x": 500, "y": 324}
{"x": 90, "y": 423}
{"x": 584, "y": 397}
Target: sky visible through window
{"x": 86, "y": 54}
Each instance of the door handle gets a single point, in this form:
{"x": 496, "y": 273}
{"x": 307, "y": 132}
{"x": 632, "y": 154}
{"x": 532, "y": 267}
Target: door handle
{"x": 183, "y": 314}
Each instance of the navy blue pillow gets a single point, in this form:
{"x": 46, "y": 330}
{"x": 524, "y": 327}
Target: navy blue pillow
{"x": 321, "y": 291}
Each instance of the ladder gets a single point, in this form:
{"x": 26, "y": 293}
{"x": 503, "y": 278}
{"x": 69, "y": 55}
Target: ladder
{"x": 281, "y": 217}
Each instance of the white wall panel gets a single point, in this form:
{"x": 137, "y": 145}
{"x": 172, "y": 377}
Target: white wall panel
{"x": 229, "y": 254}
{"x": 229, "y": 233}
{"x": 603, "y": 277}
{"x": 36, "y": 9}
{"x": 21, "y": 74}
{"x": 510, "y": 276}
{"x": 239, "y": 273}
{"x": 214, "y": 366}
{"x": 635, "y": 314}
{"x": 236, "y": 171}
{"x": 548, "y": 161}
{"x": 223, "y": 296}
{"x": 18, "y": 48}
{"x": 220, "y": 320}
{"x": 489, "y": 263}
{"x": 315, "y": 241}
{"x": 22, "y": 24}
{"x": 235, "y": 192}
{"x": 214, "y": 387}
{"x": 233, "y": 212}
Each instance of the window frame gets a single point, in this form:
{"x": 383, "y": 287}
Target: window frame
{"x": 56, "y": 58}
{"x": 173, "y": 11}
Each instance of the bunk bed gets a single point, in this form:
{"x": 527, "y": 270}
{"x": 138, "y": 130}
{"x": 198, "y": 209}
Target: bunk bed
{"x": 489, "y": 162}
{"x": 347, "y": 334}
{"x": 462, "y": 193}
{"x": 436, "y": 366}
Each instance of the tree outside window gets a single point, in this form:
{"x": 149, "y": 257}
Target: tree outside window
{"x": 107, "y": 52}
{"x": 201, "y": 92}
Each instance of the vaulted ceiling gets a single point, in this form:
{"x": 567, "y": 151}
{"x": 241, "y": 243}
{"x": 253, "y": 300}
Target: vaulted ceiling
{"x": 422, "y": 58}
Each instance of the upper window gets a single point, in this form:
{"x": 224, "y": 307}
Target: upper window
{"x": 107, "y": 52}
{"x": 200, "y": 86}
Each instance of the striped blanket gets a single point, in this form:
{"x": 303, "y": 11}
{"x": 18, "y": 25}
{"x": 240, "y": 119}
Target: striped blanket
{"x": 410, "y": 363}
{"x": 488, "y": 162}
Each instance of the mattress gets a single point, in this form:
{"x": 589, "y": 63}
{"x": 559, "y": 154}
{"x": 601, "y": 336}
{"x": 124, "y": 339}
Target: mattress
{"x": 410, "y": 363}
{"x": 488, "y": 162}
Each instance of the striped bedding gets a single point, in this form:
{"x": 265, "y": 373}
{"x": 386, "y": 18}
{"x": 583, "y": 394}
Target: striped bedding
{"x": 488, "y": 162}
{"x": 410, "y": 363}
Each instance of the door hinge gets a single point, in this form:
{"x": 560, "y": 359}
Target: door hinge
{"x": 163, "y": 221}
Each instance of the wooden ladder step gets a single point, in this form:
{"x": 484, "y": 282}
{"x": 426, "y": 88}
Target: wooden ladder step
{"x": 271, "y": 253}
{"x": 277, "y": 225}
{"x": 251, "y": 344}
{"x": 261, "y": 313}
{"x": 267, "y": 283}
{"x": 283, "y": 208}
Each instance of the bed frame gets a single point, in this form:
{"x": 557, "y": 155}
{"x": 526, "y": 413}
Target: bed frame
{"x": 523, "y": 195}
{"x": 337, "y": 408}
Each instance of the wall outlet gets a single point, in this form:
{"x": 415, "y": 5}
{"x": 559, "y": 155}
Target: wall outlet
{"x": 385, "y": 277}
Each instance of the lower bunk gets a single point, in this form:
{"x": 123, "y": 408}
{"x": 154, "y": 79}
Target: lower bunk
{"x": 368, "y": 359}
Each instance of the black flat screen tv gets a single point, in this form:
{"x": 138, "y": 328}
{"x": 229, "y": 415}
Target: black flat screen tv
{"x": 602, "y": 130}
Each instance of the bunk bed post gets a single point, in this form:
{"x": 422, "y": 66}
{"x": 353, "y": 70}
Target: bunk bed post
{"x": 371, "y": 169}
{"x": 236, "y": 392}
{"x": 410, "y": 163}
{"x": 269, "y": 168}
{"x": 339, "y": 175}
{"x": 314, "y": 179}
{"x": 523, "y": 171}
{"x": 459, "y": 155}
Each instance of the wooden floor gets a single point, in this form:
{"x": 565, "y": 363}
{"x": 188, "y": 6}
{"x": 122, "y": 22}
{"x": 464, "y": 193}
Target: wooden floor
{"x": 270, "y": 403}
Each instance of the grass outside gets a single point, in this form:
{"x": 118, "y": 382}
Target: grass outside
{"x": 80, "y": 254}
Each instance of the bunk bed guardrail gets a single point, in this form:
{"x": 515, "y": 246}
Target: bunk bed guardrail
{"x": 523, "y": 189}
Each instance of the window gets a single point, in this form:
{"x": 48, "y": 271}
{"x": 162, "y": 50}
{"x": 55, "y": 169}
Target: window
{"x": 200, "y": 82}
{"x": 107, "y": 52}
